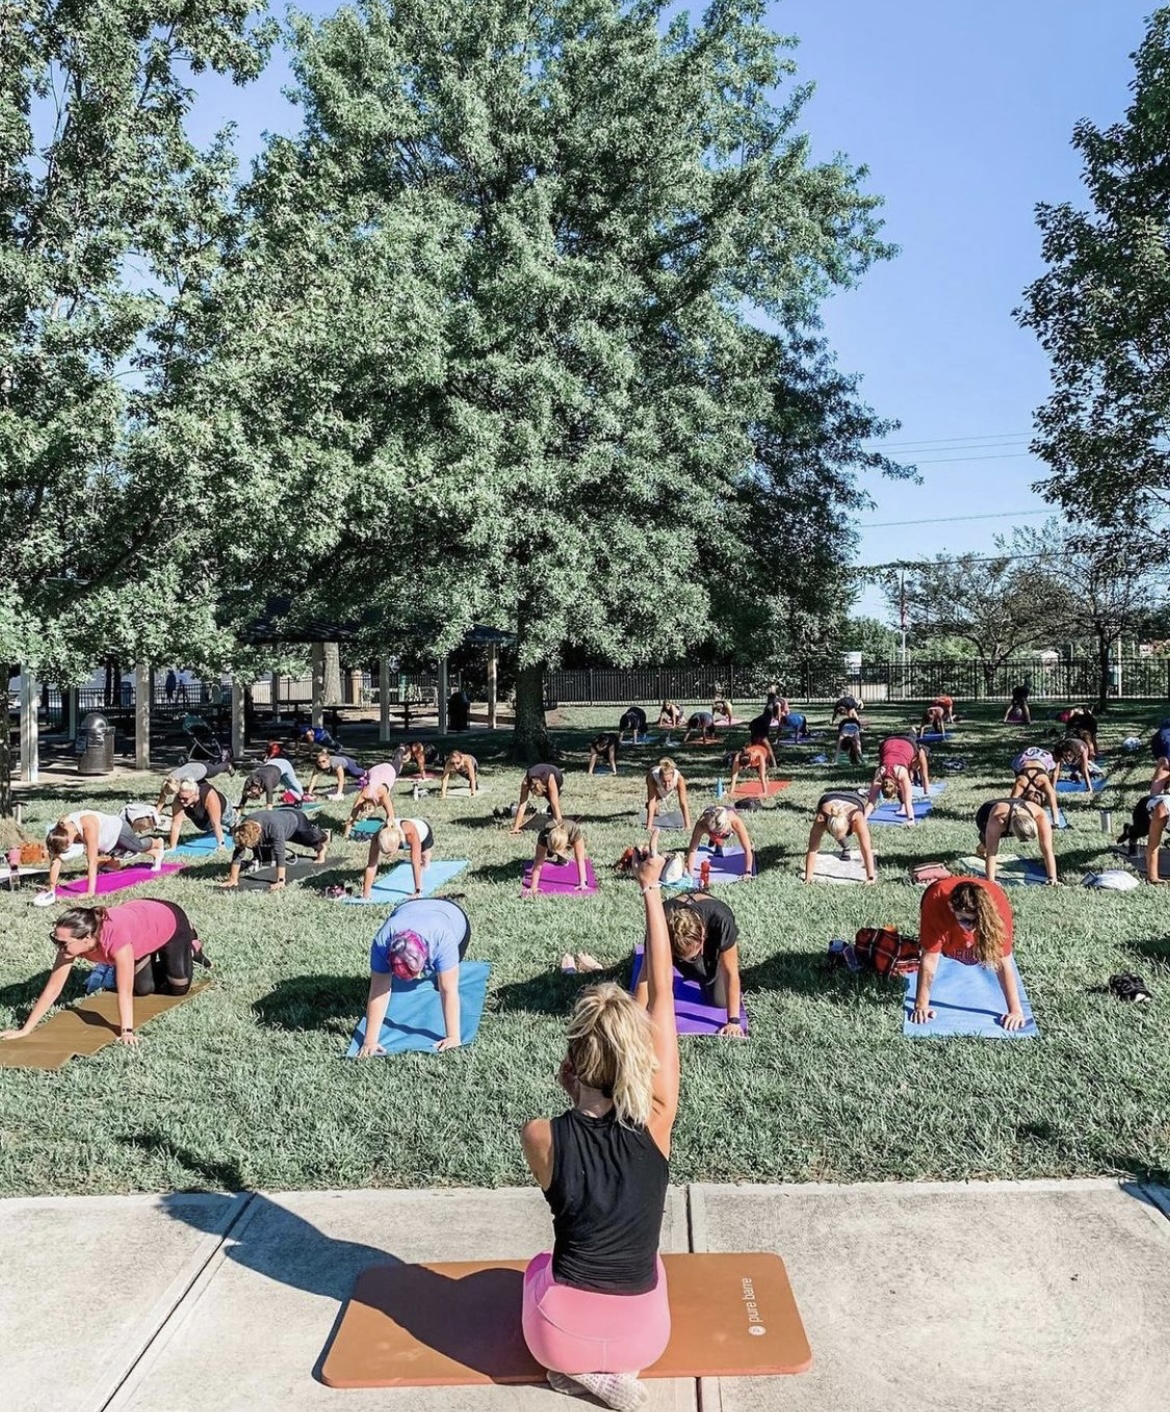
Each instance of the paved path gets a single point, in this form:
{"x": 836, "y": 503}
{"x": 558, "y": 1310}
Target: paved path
{"x": 1038, "y": 1296}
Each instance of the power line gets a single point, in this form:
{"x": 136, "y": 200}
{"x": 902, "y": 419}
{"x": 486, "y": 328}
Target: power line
{"x": 953, "y": 519}
{"x": 959, "y": 460}
{"x": 966, "y": 440}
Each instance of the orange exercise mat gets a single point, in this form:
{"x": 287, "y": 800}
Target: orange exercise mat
{"x": 450, "y": 1325}
{"x": 82, "y": 1029}
{"x": 750, "y": 789}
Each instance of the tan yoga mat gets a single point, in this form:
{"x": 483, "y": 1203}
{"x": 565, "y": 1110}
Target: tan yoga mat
{"x": 82, "y": 1029}
{"x": 450, "y": 1325}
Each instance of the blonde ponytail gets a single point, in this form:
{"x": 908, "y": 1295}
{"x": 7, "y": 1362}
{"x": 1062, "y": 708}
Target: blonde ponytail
{"x": 611, "y": 1049}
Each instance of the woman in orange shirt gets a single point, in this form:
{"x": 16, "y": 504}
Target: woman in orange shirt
{"x": 753, "y": 757}
{"x": 969, "y": 920}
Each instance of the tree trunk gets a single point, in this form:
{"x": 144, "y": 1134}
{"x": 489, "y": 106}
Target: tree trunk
{"x": 530, "y": 742}
{"x": 1103, "y": 649}
{"x": 332, "y": 674}
{"x": 9, "y": 671}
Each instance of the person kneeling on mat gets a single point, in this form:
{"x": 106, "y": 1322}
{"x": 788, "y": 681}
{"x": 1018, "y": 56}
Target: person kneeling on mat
{"x": 840, "y": 812}
{"x": 459, "y": 762}
{"x": 702, "y": 724}
{"x": 107, "y": 835}
{"x": 1025, "y": 820}
{"x": 704, "y": 946}
{"x": 1036, "y": 774}
{"x": 266, "y": 835}
{"x": 632, "y": 723}
{"x": 900, "y": 757}
{"x": 969, "y": 920}
{"x": 375, "y": 794}
{"x": 542, "y": 782}
{"x": 150, "y": 944}
{"x": 595, "y": 1310}
{"x": 671, "y": 714}
{"x": 720, "y": 825}
{"x": 662, "y": 781}
{"x": 341, "y": 767}
{"x": 205, "y": 806}
{"x": 604, "y": 747}
{"x": 419, "y": 938}
{"x": 554, "y": 843}
{"x": 412, "y": 834}
{"x": 753, "y": 757}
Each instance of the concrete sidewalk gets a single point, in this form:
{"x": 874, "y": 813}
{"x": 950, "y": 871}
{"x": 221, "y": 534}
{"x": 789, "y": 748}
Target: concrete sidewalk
{"x": 1041, "y": 1296}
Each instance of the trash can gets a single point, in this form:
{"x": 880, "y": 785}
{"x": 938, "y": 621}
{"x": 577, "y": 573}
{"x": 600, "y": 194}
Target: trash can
{"x": 95, "y": 745}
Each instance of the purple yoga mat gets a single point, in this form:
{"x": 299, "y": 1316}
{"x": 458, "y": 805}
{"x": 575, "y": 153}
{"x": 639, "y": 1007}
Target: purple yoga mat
{"x": 117, "y": 880}
{"x": 692, "y": 1013}
{"x": 725, "y": 867}
{"x": 562, "y": 879}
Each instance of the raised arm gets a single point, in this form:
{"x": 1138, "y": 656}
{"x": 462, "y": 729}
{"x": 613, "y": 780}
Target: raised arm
{"x": 659, "y": 971}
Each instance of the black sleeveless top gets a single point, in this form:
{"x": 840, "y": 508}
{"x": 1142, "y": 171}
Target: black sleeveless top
{"x": 607, "y": 1196}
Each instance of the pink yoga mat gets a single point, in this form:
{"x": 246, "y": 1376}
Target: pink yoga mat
{"x": 116, "y": 880}
{"x": 563, "y": 880}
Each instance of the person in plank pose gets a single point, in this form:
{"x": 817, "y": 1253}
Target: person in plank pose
{"x": 969, "y": 920}
{"x": 702, "y": 724}
{"x": 663, "y": 781}
{"x": 424, "y": 937}
{"x": 632, "y": 723}
{"x": 555, "y": 843}
{"x": 459, "y": 762}
{"x": 796, "y": 721}
{"x": 151, "y": 946}
{"x": 1036, "y": 773}
{"x": 604, "y": 746}
{"x": 101, "y": 835}
{"x": 275, "y": 776}
{"x": 342, "y": 767}
{"x": 948, "y": 709}
{"x": 205, "y": 806}
{"x": 721, "y": 711}
{"x": 840, "y": 812}
{"x": 720, "y": 826}
{"x": 594, "y": 1308}
{"x": 543, "y": 782}
{"x": 934, "y": 719}
{"x": 375, "y": 794}
{"x": 267, "y": 834}
{"x": 670, "y": 714}
{"x": 412, "y": 834}
{"x": 704, "y": 945}
{"x": 901, "y": 758}
{"x": 1025, "y": 821}
{"x": 753, "y": 757}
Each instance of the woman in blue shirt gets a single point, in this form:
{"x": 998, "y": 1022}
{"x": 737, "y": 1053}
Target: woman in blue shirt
{"x": 419, "y": 938}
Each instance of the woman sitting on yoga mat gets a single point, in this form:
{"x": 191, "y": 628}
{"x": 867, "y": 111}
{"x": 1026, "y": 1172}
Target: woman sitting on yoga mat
{"x": 840, "y": 812}
{"x": 849, "y": 740}
{"x": 150, "y": 945}
{"x": 427, "y": 937}
{"x": 1036, "y": 774}
{"x": 704, "y": 946}
{"x": 554, "y": 843}
{"x": 969, "y": 920}
{"x": 604, "y": 747}
{"x": 663, "y": 781}
{"x": 753, "y": 757}
{"x": 266, "y": 835}
{"x": 102, "y": 835}
{"x": 1025, "y": 821}
{"x": 595, "y": 1310}
{"x": 375, "y": 794}
{"x": 207, "y": 809}
{"x": 900, "y": 759}
{"x": 192, "y": 770}
{"x": 670, "y": 714}
{"x": 702, "y": 724}
{"x": 342, "y": 767}
{"x": 1075, "y": 754}
{"x": 459, "y": 762}
{"x": 720, "y": 826}
{"x": 632, "y": 723}
{"x": 545, "y": 782}
{"x": 412, "y": 834}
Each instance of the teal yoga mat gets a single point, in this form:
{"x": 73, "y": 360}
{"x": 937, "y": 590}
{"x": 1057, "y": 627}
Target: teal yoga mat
{"x": 967, "y": 1000}
{"x": 201, "y": 846}
{"x": 415, "y": 1017}
{"x": 398, "y": 884}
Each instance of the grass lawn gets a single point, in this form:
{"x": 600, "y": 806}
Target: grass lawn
{"x": 247, "y": 1086}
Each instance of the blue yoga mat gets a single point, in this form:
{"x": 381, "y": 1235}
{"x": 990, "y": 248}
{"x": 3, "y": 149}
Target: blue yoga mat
{"x": 415, "y": 1017}
{"x": 967, "y": 1000}
{"x": 934, "y": 737}
{"x": 889, "y": 811}
{"x": 398, "y": 884}
{"x": 937, "y": 787}
{"x": 1077, "y": 786}
{"x": 201, "y": 846}
{"x": 367, "y": 828}
{"x": 1008, "y": 872}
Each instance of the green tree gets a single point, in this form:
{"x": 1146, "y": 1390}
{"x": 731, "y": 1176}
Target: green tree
{"x": 875, "y": 640}
{"x": 493, "y": 327}
{"x": 1102, "y": 309}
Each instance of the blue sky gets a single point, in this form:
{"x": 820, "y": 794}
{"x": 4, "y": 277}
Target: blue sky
{"x": 963, "y": 113}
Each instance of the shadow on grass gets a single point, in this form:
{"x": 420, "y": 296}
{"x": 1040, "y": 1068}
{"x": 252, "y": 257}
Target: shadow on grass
{"x": 798, "y": 973}
{"x": 22, "y": 993}
{"x": 312, "y": 1002}
{"x": 554, "y": 992}
{"x": 1156, "y": 949}
{"x": 500, "y": 872}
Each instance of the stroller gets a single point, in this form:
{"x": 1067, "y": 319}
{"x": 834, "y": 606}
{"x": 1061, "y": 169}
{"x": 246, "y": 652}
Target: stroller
{"x": 204, "y": 744}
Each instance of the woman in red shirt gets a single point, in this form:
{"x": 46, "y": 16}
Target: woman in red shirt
{"x": 969, "y": 920}
{"x": 150, "y": 945}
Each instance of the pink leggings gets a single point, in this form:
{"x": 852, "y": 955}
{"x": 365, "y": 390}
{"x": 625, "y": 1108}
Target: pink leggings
{"x": 579, "y": 1331}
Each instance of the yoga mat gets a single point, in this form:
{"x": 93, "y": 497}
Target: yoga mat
{"x": 968, "y": 1000}
{"x": 83, "y": 1029}
{"x": 458, "y": 1324}
{"x": 751, "y": 789}
{"x": 1078, "y": 787}
{"x": 201, "y": 846}
{"x": 692, "y": 1012}
{"x": 832, "y": 868}
{"x": 562, "y": 880}
{"x": 673, "y": 820}
{"x": 306, "y": 806}
{"x": 295, "y": 870}
{"x": 937, "y": 787}
{"x": 398, "y": 884}
{"x": 725, "y": 725}
{"x": 415, "y": 1017}
{"x": 116, "y": 880}
{"x": 889, "y": 811}
{"x": 1008, "y": 869}
{"x": 935, "y": 737}
{"x": 367, "y": 828}
{"x": 726, "y": 867}
{"x": 1137, "y": 861}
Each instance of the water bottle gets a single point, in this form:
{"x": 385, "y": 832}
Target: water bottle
{"x": 720, "y": 790}
{"x": 705, "y": 874}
